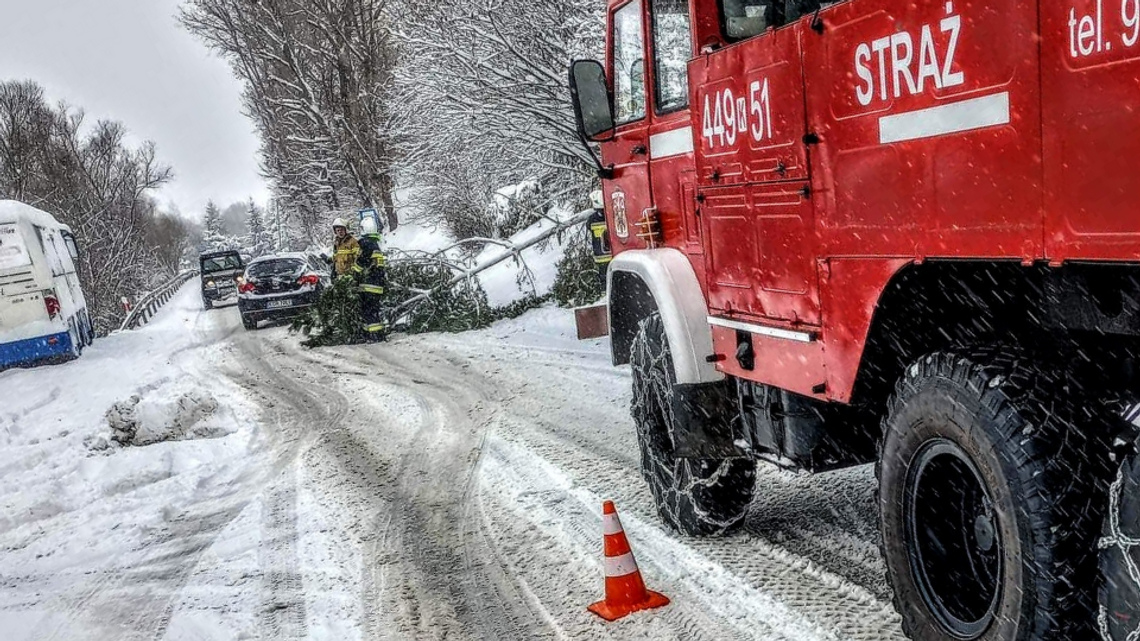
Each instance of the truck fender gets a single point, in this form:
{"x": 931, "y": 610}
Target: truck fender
{"x": 640, "y": 281}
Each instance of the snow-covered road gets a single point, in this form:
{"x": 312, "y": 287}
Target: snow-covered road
{"x": 437, "y": 486}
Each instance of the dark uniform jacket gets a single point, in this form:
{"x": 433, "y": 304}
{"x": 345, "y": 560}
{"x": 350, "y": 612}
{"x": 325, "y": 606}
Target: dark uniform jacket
{"x": 370, "y": 264}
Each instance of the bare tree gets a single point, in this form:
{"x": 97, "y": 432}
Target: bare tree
{"x": 92, "y": 180}
{"x": 317, "y": 77}
{"x": 483, "y": 84}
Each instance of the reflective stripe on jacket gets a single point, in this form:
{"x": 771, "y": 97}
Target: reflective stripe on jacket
{"x": 371, "y": 262}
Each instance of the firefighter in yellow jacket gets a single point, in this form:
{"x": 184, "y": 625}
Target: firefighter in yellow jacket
{"x": 369, "y": 268}
{"x": 345, "y": 250}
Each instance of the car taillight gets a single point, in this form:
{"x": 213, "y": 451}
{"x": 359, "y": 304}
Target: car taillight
{"x": 245, "y": 287}
{"x": 309, "y": 279}
{"x": 52, "y": 305}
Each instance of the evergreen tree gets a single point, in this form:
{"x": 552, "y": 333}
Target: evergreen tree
{"x": 259, "y": 242}
{"x": 214, "y": 237}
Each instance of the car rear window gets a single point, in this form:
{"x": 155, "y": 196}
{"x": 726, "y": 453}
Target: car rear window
{"x": 277, "y": 267}
{"x": 219, "y": 263}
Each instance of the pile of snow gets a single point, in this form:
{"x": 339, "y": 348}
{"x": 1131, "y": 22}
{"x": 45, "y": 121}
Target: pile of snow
{"x": 167, "y": 414}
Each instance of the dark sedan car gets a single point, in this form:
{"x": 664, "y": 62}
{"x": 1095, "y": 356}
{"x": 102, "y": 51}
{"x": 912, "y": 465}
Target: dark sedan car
{"x": 280, "y": 286}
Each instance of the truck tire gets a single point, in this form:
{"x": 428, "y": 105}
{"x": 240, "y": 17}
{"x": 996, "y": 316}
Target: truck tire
{"x": 992, "y": 491}
{"x": 207, "y": 304}
{"x": 248, "y": 322}
{"x": 698, "y": 497}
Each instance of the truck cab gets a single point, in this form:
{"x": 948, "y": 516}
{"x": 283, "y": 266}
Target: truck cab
{"x": 823, "y": 212}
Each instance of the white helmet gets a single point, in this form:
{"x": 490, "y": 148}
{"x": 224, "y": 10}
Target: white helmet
{"x": 339, "y": 222}
{"x": 596, "y": 199}
{"x": 368, "y": 225}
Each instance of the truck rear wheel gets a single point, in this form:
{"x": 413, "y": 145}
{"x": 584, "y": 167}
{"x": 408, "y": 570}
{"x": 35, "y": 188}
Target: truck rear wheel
{"x": 992, "y": 493}
{"x": 694, "y": 496}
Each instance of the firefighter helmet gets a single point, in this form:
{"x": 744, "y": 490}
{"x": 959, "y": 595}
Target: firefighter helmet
{"x": 596, "y": 199}
{"x": 340, "y": 222}
{"x": 368, "y": 226}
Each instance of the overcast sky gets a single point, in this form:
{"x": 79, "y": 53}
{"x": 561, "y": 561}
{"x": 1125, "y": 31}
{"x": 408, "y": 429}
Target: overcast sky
{"x": 129, "y": 60}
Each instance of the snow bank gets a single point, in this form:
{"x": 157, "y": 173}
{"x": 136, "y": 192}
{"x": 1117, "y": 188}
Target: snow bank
{"x": 533, "y": 273}
{"x": 70, "y": 509}
{"x": 417, "y": 237}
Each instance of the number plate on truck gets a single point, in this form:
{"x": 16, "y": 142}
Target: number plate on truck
{"x": 274, "y": 304}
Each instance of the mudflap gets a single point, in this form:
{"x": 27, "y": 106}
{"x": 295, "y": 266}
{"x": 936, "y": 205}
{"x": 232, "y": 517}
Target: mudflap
{"x": 592, "y": 321}
{"x": 1120, "y": 556}
{"x": 708, "y": 424}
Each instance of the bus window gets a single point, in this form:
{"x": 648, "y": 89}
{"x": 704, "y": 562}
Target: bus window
{"x": 13, "y": 251}
{"x": 51, "y": 251}
{"x": 72, "y": 248}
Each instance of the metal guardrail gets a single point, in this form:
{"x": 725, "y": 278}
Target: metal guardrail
{"x": 152, "y": 302}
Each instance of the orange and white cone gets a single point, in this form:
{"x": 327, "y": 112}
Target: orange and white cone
{"x": 625, "y": 591}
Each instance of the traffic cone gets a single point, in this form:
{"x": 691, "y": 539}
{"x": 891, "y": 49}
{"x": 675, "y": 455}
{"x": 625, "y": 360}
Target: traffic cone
{"x": 625, "y": 591}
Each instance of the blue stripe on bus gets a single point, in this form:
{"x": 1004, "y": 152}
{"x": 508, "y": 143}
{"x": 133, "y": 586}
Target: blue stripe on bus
{"x": 34, "y": 349}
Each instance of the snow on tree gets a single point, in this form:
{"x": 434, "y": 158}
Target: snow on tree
{"x": 316, "y": 78}
{"x": 483, "y": 86}
{"x": 258, "y": 242}
{"x": 93, "y": 180}
{"x": 214, "y": 237}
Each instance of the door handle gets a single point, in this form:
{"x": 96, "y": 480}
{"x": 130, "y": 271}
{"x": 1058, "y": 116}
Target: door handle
{"x": 638, "y": 150}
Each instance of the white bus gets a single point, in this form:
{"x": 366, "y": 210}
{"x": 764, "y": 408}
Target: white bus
{"x": 43, "y": 313}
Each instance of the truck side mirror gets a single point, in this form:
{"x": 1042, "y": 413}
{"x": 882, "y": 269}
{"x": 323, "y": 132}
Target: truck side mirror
{"x": 593, "y": 107}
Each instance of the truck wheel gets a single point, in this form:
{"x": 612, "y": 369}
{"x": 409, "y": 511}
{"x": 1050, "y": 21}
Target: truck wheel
{"x": 248, "y": 322}
{"x": 207, "y": 304}
{"x": 694, "y": 496}
{"x": 992, "y": 490}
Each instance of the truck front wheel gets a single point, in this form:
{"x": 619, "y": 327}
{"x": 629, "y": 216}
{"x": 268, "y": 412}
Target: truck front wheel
{"x": 992, "y": 492}
{"x": 694, "y": 496}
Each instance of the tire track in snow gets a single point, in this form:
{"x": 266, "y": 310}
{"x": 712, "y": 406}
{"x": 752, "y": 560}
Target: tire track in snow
{"x": 709, "y": 602}
{"x": 283, "y": 615}
{"x": 436, "y": 573}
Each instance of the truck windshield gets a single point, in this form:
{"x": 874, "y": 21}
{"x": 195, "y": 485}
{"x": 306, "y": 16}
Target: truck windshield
{"x": 220, "y": 263}
{"x": 13, "y": 251}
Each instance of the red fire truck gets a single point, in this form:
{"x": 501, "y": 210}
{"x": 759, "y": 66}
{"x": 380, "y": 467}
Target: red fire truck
{"x": 895, "y": 232}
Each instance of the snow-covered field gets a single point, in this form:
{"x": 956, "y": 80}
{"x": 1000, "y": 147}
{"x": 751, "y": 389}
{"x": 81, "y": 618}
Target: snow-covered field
{"x": 437, "y": 486}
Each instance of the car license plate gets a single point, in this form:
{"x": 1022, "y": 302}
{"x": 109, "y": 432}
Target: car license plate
{"x": 274, "y": 304}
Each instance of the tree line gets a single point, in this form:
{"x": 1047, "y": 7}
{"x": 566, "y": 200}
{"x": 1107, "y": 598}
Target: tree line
{"x": 92, "y": 179}
{"x": 448, "y": 100}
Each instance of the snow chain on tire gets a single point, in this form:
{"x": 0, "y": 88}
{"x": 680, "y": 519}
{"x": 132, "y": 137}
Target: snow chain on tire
{"x": 1118, "y": 618}
{"x": 694, "y": 496}
{"x": 1039, "y": 449}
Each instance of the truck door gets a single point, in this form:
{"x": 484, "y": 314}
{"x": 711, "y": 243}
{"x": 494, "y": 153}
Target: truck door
{"x": 752, "y": 166}
{"x": 628, "y": 192}
{"x": 672, "y": 170}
